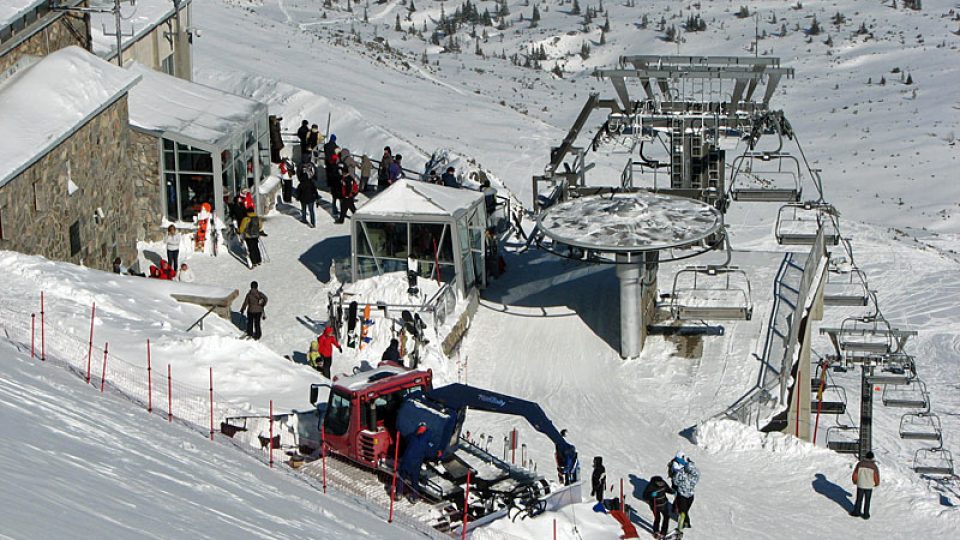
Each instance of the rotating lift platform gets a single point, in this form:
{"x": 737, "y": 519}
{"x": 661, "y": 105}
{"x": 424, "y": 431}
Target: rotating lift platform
{"x": 630, "y": 230}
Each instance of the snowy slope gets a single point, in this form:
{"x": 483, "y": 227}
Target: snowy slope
{"x": 82, "y": 465}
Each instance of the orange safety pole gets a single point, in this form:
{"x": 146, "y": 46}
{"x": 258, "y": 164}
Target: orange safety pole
{"x": 823, "y": 383}
{"x": 393, "y": 487}
{"x": 103, "y": 372}
{"x": 149, "y": 381}
{"x": 211, "y": 403}
{"x": 93, "y": 315}
{"x": 271, "y": 433}
{"x": 466, "y": 507}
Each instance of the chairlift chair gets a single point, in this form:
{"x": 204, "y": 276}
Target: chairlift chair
{"x": 864, "y": 339}
{"x": 848, "y": 290}
{"x": 921, "y": 426}
{"x": 711, "y": 293}
{"x": 836, "y": 404}
{"x": 799, "y": 223}
{"x": 908, "y": 396}
{"x": 843, "y": 439}
{"x": 769, "y": 184}
{"x": 935, "y": 461}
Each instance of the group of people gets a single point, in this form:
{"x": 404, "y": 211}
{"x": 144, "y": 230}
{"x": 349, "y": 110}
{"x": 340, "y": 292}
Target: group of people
{"x": 341, "y": 171}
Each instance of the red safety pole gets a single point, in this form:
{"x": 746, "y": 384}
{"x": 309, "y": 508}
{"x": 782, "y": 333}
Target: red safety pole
{"x": 211, "y": 403}
{"x": 466, "y": 508}
{"x": 393, "y": 487}
{"x": 103, "y": 372}
{"x": 33, "y": 333}
{"x": 554, "y": 528}
{"x": 149, "y": 381}
{"x": 43, "y": 326}
{"x": 271, "y": 433}
{"x": 93, "y": 315}
{"x": 323, "y": 455}
{"x": 169, "y": 394}
{"x": 513, "y": 446}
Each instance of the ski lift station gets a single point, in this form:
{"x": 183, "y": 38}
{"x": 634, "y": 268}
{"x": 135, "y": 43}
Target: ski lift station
{"x": 440, "y": 228}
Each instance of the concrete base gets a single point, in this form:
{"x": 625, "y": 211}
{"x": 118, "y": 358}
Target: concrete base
{"x": 638, "y": 292}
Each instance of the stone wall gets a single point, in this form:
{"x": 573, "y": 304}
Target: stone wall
{"x": 68, "y": 29}
{"x": 38, "y": 209}
{"x": 147, "y": 212}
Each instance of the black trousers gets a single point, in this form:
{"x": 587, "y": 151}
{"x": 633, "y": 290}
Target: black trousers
{"x": 862, "y": 506}
{"x": 598, "y": 490}
{"x": 253, "y": 325}
{"x": 326, "y": 362}
{"x": 682, "y": 505}
{"x": 346, "y": 204}
{"x": 661, "y": 518}
{"x": 173, "y": 259}
{"x": 253, "y": 249}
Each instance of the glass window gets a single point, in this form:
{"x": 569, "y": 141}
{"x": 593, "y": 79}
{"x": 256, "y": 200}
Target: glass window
{"x": 337, "y": 419}
{"x": 171, "y": 195}
{"x": 75, "y": 238}
{"x": 388, "y": 239}
{"x": 195, "y": 189}
{"x": 426, "y": 238}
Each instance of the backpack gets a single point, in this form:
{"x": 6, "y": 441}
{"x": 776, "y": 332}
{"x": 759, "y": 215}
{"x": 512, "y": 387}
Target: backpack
{"x": 253, "y": 228}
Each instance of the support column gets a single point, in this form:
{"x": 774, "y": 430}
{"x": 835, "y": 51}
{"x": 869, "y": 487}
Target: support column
{"x": 629, "y": 272}
{"x": 866, "y": 411}
{"x": 648, "y": 292}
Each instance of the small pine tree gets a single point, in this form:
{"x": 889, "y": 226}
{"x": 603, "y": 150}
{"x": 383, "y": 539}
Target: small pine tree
{"x": 883, "y": 81}
{"x": 558, "y": 69}
{"x": 535, "y": 16}
{"x": 606, "y": 24}
{"x": 814, "y": 27}
{"x": 585, "y": 51}
{"x": 909, "y": 80}
{"x": 603, "y": 37}
{"x": 575, "y": 10}
{"x": 411, "y": 8}
{"x": 423, "y": 58}
{"x": 644, "y": 21}
{"x": 829, "y": 41}
{"x": 671, "y": 34}
{"x": 397, "y": 25}
{"x": 743, "y": 13}
{"x": 478, "y": 51}
{"x": 365, "y": 18}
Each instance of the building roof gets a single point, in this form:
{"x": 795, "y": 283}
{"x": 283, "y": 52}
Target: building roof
{"x": 136, "y": 22}
{"x": 10, "y": 10}
{"x": 168, "y": 106}
{"x": 48, "y": 101}
{"x": 407, "y": 198}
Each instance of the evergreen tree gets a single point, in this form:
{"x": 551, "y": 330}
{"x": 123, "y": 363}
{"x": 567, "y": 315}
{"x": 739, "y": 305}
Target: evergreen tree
{"x": 743, "y": 13}
{"x": 814, "y": 27}
{"x": 557, "y": 69}
{"x": 535, "y": 17}
{"x": 365, "y": 18}
{"x": 412, "y": 7}
{"x": 909, "y": 80}
{"x": 423, "y": 58}
{"x": 397, "y": 25}
{"x": 603, "y": 37}
{"x": 575, "y": 10}
{"x": 585, "y": 51}
{"x": 606, "y": 24}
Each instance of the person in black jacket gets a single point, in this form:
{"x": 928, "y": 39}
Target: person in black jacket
{"x": 392, "y": 354}
{"x": 307, "y": 193}
{"x": 302, "y": 135}
{"x": 598, "y": 483}
{"x": 655, "y": 495}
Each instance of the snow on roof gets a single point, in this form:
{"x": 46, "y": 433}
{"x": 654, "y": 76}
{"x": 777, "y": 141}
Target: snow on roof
{"x": 136, "y": 21}
{"x": 411, "y": 198}
{"x": 165, "y": 104}
{"x": 363, "y": 379}
{"x": 48, "y": 101}
{"x": 13, "y": 9}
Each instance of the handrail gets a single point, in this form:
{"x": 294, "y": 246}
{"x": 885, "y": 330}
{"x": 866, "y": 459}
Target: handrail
{"x": 200, "y": 320}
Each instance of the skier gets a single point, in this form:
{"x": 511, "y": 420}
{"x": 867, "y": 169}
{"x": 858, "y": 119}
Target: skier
{"x": 250, "y": 229}
{"x": 866, "y": 476}
{"x": 395, "y": 172}
{"x": 348, "y": 193}
{"x": 655, "y": 494}
{"x": 449, "y": 179}
{"x": 383, "y": 172}
{"x": 186, "y": 274}
{"x": 302, "y": 135}
{"x": 313, "y": 139}
{"x": 253, "y": 305}
{"x": 366, "y": 166}
{"x": 392, "y": 354}
{"x": 308, "y": 196}
{"x": 598, "y": 483}
{"x": 685, "y": 475}
{"x": 325, "y": 344}
{"x": 172, "y": 242}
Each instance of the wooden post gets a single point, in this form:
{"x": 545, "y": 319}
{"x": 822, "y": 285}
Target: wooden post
{"x": 43, "y": 326}
{"x": 33, "y": 332}
{"x": 93, "y": 315}
{"x": 466, "y": 508}
{"x": 271, "y": 433}
{"x": 149, "y": 381}
{"x": 103, "y": 372}
{"x": 211, "y": 403}
{"x": 393, "y": 487}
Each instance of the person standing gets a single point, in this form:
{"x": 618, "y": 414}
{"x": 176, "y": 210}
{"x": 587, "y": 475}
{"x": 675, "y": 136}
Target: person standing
{"x": 349, "y": 190}
{"x": 325, "y": 344}
{"x": 866, "y": 476}
{"x": 250, "y": 229}
{"x": 383, "y": 173}
{"x": 313, "y": 139}
{"x": 655, "y": 495}
{"x": 329, "y": 149}
{"x": 598, "y": 482}
{"x": 366, "y": 167}
{"x": 253, "y": 305}
{"x": 276, "y": 139}
{"x": 449, "y": 179}
{"x": 308, "y": 196}
{"x": 685, "y": 476}
{"x": 172, "y": 242}
{"x": 302, "y": 135}
{"x": 396, "y": 169}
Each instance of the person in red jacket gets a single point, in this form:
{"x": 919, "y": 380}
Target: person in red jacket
{"x": 349, "y": 189}
{"x": 325, "y": 344}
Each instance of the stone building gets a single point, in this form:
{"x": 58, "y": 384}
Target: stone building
{"x": 64, "y": 176}
{"x": 155, "y": 33}
{"x": 31, "y": 27}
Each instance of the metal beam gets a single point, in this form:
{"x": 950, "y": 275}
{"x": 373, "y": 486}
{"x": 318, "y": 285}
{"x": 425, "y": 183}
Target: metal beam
{"x": 696, "y": 72}
{"x": 621, "y": 88}
{"x": 734, "y": 60}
